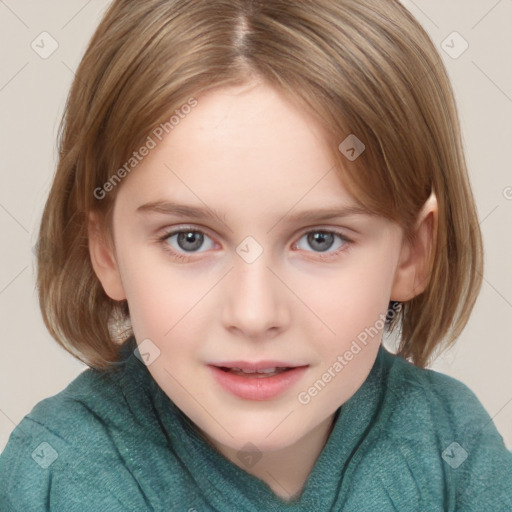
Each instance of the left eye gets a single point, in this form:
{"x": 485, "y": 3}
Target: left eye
{"x": 322, "y": 241}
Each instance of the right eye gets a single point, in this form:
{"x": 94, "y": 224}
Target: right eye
{"x": 187, "y": 240}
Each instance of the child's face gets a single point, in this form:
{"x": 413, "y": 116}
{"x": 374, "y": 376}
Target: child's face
{"x": 254, "y": 158}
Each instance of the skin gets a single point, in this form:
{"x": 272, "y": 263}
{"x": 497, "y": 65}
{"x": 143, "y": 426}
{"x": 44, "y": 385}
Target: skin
{"x": 250, "y": 154}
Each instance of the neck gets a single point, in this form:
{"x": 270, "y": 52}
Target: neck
{"x": 285, "y": 471}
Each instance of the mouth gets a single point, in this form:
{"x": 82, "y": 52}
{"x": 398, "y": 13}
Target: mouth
{"x": 256, "y": 374}
{"x": 257, "y": 381}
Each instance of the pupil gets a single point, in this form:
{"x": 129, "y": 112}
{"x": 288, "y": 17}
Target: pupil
{"x": 188, "y": 238}
{"x": 321, "y": 238}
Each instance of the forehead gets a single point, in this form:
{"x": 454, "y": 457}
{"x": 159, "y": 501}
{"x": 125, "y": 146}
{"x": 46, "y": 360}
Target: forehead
{"x": 246, "y": 145}
{"x": 247, "y": 123}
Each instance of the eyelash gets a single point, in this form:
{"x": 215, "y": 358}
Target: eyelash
{"x": 183, "y": 258}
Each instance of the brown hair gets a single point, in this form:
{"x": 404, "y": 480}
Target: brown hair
{"x": 364, "y": 68}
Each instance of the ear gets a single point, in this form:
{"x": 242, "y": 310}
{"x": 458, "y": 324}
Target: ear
{"x": 104, "y": 261}
{"x": 413, "y": 271}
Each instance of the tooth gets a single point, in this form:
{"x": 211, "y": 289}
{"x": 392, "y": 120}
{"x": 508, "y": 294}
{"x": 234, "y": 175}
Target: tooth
{"x": 267, "y": 370}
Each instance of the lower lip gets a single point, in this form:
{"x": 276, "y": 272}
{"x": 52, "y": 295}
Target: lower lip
{"x": 258, "y": 388}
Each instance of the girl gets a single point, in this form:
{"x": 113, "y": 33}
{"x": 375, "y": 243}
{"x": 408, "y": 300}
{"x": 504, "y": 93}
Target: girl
{"x": 310, "y": 154}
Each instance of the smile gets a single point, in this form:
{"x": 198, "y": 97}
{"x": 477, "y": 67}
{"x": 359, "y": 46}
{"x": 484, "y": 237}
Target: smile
{"x": 261, "y": 381}
{"x": 266, "y": 372}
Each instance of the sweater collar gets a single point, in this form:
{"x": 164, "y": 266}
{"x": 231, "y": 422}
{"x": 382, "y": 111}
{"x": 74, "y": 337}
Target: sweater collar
{"x": 223, "y": 481}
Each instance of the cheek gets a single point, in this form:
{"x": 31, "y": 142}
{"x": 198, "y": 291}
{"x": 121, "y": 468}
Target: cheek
{"x": 352, "y": 299}
{"x": 155, "y": 299}
{"x": 353, "y": 308}
{"x": 168, "y": 305}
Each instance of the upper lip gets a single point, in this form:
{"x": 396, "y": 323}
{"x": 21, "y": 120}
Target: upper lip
{"x": 256, "y": 365}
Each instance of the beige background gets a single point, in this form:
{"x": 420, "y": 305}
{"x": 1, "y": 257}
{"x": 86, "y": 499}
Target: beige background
{"x": 32, "y": 96}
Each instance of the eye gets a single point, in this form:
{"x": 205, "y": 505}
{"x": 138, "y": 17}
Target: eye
{"x": 323, "y": 240}
{"x": 184, "y": 240}
{"x": 187, "y": 241}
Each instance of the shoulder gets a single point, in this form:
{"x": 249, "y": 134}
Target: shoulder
{"x": 438, "y": 425}
{"x": 60, "y": 451}
{"x": 418, "y": 392}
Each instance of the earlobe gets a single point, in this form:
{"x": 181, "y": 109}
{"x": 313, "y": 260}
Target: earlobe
{"x": 414, "y": 266}
{"x": 103, "y": 260}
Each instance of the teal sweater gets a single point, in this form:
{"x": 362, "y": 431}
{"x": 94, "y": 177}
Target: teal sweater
{"x": 408, "y": 440}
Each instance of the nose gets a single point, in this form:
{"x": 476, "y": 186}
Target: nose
{"x": 255, "y": 304}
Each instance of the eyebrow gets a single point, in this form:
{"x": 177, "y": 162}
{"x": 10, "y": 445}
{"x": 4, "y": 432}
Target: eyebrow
{"x": 205, "y": 213}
